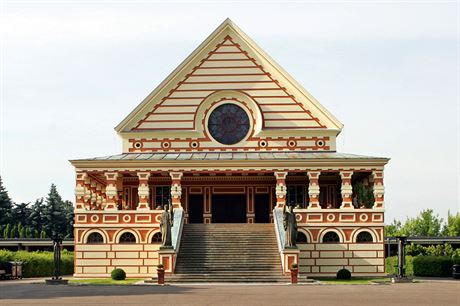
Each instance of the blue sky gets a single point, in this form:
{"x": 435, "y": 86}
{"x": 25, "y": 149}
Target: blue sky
{"x": 388, "y": 70}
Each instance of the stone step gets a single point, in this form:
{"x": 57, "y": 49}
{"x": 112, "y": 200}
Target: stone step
{"x": 228, "y": 253}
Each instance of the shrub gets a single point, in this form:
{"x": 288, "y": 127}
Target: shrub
{"x": 294, "y": 266}
{"x": 343, "y": 274}
{"x": 391, "y": 265}
{"x": 39, "y": 263}
{"x": 433, "y": 266}
{"x": 118, "y": 274}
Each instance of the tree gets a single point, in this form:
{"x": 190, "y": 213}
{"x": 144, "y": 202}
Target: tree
{"x": 393, "y": 229}
{"x": 69, "y": 217}
{"x": 54, "y": 213}
{"x": 5, "y": 204}
{"x": 28, "y": 233}
{"x": 36, "y": 233}
{"x": 14, "y": 232}
{"x": 6, "y": 231}
{"x": 426, "y": 224}
{"x": 37, "y": 214}
{"x": 20, "y": 214}
{"x": 42, "y": 234}
{"x": 452, "y": 227}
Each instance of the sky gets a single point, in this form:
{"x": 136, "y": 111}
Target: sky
{"x": 70, "y": 71}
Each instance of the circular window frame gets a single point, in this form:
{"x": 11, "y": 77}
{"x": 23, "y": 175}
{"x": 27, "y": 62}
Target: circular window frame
{"x": 241, "y": 105}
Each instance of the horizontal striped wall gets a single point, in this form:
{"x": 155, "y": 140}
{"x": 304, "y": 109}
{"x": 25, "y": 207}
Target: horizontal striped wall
{"x": 228, "y": 67}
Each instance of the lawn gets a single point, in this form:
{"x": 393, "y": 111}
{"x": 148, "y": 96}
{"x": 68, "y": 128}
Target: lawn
{"x": 105, "y": 281}
{"x": 354, "y": 281}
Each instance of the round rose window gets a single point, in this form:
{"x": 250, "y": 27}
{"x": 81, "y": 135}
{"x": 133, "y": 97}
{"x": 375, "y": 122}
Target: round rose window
{"x": 228, "y": 124}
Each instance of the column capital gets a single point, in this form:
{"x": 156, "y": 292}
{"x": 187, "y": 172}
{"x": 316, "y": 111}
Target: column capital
{"x": 281, "y": 175}
{"x": 176, "y": 175}
{"x": 111, "y": 176}
{"x": 143, "y": 175}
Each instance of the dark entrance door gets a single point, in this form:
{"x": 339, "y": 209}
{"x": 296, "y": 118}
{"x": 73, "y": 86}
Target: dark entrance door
{"x": 262, "y": 208}
{"x": 229, "y": 208}
{"x": 195, "y": 208}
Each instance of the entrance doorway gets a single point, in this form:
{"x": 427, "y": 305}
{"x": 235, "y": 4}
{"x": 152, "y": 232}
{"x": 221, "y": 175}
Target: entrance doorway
{"x": 195, "y": 208}
{"x": 229, "y": 208}
{"x": 262, "y": 208}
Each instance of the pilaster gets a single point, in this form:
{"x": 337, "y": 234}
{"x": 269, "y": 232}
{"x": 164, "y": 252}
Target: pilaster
{"x": 379, "y": 189}
{"x": 80, "y": 190}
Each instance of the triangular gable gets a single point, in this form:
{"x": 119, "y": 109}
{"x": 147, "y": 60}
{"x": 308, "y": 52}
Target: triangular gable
{"x": 228, "y": 60}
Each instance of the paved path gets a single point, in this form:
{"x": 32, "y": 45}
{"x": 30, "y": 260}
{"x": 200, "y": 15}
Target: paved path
{"x": 432, "y": 293}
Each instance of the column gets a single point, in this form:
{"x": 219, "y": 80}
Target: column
{"x": 379, "y": 189}
{"x": 281, "y": 189}
{"x": 346, "y": 189}
{"x": 176, "y": 189}
{"x": 111, "y": 191}
{"x": 80, "y": 190}
{"x": 143, "y": 191}
{"x": 313, "y": 189}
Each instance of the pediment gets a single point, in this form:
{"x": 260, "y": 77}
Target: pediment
{"x": 228, "y": 61}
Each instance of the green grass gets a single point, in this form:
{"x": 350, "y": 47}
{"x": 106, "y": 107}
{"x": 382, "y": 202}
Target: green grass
{"x": 105, "y": 281}
{"x": 354, "y": 281}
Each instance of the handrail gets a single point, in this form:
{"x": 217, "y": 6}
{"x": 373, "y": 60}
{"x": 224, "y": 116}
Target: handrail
{"x": 176, "y": 229}
{"x": 280, "y": 232}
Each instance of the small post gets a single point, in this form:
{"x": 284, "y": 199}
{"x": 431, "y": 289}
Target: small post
{"x": 57, "y": 279}
{"x": 401, "y": 256}
{"x": 161, "y": 274}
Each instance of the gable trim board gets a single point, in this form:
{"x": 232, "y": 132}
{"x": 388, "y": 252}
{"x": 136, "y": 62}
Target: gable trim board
{"x": 283, "y": 102}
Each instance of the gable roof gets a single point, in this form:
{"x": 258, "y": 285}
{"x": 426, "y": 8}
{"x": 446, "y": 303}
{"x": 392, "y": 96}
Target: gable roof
{"x": 237, "y": 63}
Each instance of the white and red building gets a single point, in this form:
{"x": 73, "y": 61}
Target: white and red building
{"x": 229, "y": 136}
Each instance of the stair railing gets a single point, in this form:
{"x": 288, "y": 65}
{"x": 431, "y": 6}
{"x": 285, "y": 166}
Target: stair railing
{"x": 176, "y": 231}
{"x": 280, "y": 232}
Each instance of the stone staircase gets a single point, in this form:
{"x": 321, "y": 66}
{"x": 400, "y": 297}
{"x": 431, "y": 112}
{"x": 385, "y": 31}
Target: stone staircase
{"x": 228, "y": 253}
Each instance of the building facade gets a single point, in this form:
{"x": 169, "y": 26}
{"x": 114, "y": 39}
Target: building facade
{"x": 229, "y": 137}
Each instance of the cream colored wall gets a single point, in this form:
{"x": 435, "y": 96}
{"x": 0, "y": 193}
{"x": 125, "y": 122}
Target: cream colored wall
{"x": 325, "y": 259}
{"x": 98, "y": 260}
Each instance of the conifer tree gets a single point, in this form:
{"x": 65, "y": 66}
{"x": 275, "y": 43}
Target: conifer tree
{"x": 36, "y": 233}
{"x": 5, "y": 204}
{"x": 42, "y": 234}
{"x": 28, "y": 233}
{"x": 37, "y": 215}
{"x": 20, "y": 214}
{"x": 6, "y": 231}
{"x": 14, "y": 232}
{"x": 55, "y": 225}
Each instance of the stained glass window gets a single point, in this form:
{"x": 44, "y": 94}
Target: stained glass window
{"x": 228, "y": 124}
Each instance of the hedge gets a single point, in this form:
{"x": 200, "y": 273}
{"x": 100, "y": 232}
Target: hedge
{"x": 39, "y": 263}
{"x": 440, "y": 266}
{"x": 391, "y": 265}
{"x": 437, "y": 266}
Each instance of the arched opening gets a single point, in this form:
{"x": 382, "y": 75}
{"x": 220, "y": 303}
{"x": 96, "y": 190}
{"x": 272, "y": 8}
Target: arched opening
{"x": 331, "y": 237}
{"x": 94, "y": 238}
{"x": 364, "y": 237}
{"x": 301, "y": 238}
{"x": 156, "y": 238}
{"x": 127, "y": 237}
